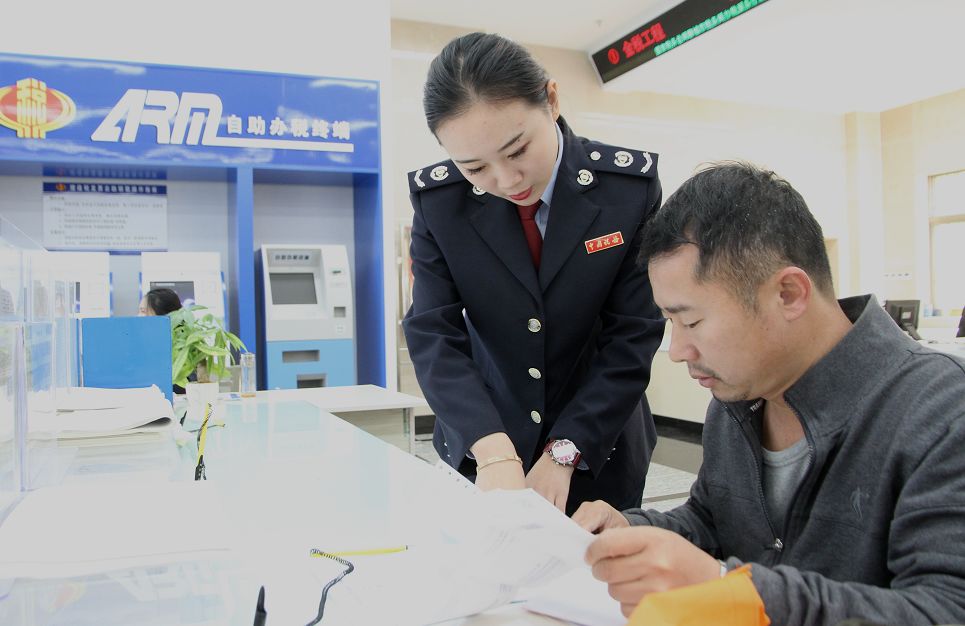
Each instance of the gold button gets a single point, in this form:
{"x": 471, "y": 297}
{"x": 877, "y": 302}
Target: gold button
{"x": 533, "y": 325}
{"x": 535, "y": 373}
{"x": 536, "y": 416}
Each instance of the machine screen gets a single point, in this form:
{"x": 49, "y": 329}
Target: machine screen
{"x": 184, "y": 289}
{"x": 289, "y": 288}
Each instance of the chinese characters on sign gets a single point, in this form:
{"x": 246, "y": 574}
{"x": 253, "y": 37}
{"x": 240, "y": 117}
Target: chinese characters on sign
{"x": 299, "y": 127}
{"x": 104, "y": 216}
{"x": 639, "y": 42}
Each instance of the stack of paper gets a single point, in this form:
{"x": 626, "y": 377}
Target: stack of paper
{"x": 93, "y": 416}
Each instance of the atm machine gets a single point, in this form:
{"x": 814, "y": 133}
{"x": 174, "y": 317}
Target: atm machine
{"x": 195, "y": 276}
{"x": 309, "y": 316}
{"x": 88, "y": 279}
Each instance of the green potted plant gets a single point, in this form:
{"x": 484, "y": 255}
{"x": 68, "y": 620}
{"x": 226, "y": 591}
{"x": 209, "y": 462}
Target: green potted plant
{"x": 200, "y": 345}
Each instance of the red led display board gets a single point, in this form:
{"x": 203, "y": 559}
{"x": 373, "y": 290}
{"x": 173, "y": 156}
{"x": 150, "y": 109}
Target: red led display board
{"x": 687, "y": 20}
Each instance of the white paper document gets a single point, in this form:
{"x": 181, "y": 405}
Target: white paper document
{"x": 96, "y": 416}
{"x": 87, "y": 398}
{"x": 490, "y": 546}
{"x": 578, "y": 598}
{"x": 74, "y": 530}
{"x": 517, "y": 538}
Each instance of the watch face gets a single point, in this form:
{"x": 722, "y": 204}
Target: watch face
{"x": 564, "y": 452}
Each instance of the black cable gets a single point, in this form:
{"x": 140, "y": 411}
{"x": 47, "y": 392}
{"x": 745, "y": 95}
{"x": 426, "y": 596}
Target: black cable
{"x": 349, "y": 568}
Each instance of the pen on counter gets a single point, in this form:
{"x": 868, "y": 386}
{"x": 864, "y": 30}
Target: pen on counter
{"x": 371, "y": 552}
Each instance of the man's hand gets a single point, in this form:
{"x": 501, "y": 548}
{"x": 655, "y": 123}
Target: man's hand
{"x": 598, "y": 516}
{"x": 640, "y": 560}
{"x": 550, "y": 480}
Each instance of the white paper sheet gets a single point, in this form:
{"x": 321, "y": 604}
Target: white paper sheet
{"x": 97, "y": 416}
{"x": 576, "y": 597}
{"x": 489, "y": 546}
{"x": 86, "y": 398}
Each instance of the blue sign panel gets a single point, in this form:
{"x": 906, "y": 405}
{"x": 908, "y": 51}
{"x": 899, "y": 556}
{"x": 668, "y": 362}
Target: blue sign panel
{"x": 70, "y": 110}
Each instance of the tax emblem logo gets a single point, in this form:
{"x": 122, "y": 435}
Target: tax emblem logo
{"x": 32, "y": 109}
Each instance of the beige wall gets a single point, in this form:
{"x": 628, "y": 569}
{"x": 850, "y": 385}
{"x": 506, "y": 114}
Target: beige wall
{"x": 917, "y": 141}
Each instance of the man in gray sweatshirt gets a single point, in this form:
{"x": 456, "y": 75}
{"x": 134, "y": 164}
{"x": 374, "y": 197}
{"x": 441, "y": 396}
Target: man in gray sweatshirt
{"x": 834, "y": 447}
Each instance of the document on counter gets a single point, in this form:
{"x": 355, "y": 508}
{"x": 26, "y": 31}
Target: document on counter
{"x": 578, "y": 598}
{"x": 97, "y": 416}
{"x": 88, "y": 398}
{"x": 80, "y": 529}
{"x": 518, "y": 538}
{"x": 490, "y": 547}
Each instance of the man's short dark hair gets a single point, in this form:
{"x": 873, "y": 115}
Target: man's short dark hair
{"x": 746, "y": 222}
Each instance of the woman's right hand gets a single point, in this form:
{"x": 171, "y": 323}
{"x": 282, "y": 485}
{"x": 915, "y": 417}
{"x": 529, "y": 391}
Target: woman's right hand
{"x": 506, "y": 474}
{"x": 501, "y": 475}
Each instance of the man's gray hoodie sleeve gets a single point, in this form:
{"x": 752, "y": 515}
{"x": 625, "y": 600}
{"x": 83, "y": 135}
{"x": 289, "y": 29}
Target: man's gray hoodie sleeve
{"x": 692, "y": 520}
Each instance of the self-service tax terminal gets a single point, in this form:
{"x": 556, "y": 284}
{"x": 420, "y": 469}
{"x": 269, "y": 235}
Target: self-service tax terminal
{"x": 195, "y": 276}
{"x": 309, "y": 316}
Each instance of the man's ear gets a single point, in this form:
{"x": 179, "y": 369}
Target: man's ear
{"x": 795, "y": 291}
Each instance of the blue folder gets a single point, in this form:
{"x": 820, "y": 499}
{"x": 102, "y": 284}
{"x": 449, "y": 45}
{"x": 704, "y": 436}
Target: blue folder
{"x": 124, "y": 352}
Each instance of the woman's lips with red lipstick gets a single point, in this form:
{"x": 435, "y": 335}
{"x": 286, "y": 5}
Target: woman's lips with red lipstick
{"x": 522, "y": 195}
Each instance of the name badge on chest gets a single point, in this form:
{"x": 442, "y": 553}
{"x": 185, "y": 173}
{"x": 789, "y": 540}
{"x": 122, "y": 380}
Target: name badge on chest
{"x": 604, "y": 242}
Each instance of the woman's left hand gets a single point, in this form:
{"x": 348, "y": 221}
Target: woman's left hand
{"x": 550, "y": 480}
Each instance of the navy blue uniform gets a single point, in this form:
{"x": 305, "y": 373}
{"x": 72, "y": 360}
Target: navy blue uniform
{"x": 559, "y": 353}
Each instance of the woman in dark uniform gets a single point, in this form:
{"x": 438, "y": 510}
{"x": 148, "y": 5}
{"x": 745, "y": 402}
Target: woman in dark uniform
{"x": 532, "y": 328}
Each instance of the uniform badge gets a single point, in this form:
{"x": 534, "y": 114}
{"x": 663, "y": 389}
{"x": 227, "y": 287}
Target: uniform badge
{"x": 478, "y": 190}
{"x": 595, "y": 155}
{"x": 649, "y": 162}
{"x": 622, "y": 158}
{"x": 604, "y": 242}
{"x": 439, "y": 173}
{"x": 584, "y": 177}
{"x": 417, "y": 179}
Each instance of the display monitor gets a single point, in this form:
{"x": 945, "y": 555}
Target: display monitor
{"x": 184, "y": 289}
{"x": 293, "y": 288}
{"x": 905, "y": 314}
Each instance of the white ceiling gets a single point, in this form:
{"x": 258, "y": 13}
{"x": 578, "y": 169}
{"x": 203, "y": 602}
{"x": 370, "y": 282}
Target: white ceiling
{"x": 820, "y": 55}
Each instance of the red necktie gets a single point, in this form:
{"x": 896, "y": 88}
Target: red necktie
{"x": 527, "y": 215}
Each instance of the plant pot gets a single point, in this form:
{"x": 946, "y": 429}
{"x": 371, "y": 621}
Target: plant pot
{"x": 198, "y": 396}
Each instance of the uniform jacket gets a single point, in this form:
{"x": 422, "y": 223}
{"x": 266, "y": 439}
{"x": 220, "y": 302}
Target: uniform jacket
{"x": 877, "y": 527}
{"x": 562, "y": 353}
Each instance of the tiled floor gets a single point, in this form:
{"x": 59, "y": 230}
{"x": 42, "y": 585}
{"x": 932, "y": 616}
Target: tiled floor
{"x": 672, "y": 469}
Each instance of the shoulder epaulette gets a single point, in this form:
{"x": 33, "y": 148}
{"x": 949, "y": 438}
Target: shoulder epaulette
{"x": 609, "y": 158}
{"x": 442, "y": 173}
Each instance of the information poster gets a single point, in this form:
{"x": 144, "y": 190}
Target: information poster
{"x": 105, "y": 216}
